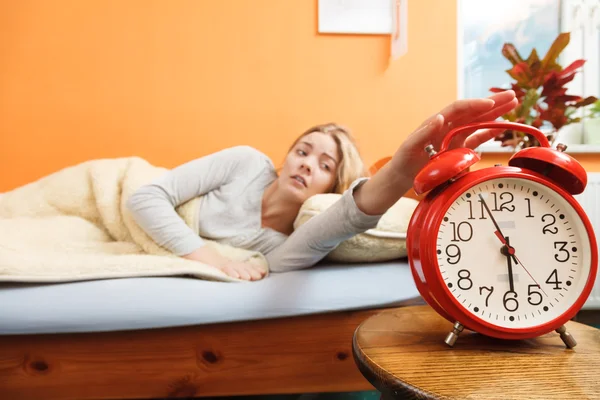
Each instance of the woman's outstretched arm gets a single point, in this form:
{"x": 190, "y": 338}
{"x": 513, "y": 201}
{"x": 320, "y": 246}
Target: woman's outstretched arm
{"x": 312, "y": 241}
{"x": 395, "y": 178}
{"x": 361, "y": 206}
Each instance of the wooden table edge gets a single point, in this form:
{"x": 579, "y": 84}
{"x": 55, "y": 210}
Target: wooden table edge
{"x": 390, "y": 385}
{"x": 374, "y": 375}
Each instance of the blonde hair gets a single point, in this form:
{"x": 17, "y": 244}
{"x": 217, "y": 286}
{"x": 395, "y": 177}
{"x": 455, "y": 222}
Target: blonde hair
{"x": 350, "y": 165}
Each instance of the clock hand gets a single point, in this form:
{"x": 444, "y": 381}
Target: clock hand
{"x": 511, "y": 253}
{"x": 501, "y": 237}
{"x": 517, "y": 261}
{"x": 511, "y": 250}
{"x": 510, "y": 271}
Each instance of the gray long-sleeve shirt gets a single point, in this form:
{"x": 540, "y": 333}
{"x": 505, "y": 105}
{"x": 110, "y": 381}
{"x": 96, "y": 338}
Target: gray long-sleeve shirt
{"x": 231, "y": 183}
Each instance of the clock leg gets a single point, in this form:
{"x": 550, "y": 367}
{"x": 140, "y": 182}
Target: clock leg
{"x": 566, "y": 337}
{"x": 453, "y": 335}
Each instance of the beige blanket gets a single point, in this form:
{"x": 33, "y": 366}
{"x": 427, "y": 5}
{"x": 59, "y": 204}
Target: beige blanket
{"x": 73, "y": 225}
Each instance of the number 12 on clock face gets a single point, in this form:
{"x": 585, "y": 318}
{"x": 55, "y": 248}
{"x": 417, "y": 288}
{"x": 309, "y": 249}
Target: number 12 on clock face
{"x": 513, "y": 252}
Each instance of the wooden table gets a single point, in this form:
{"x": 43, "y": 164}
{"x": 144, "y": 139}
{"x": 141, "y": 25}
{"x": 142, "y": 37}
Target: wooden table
{"x": 402, "y": 353}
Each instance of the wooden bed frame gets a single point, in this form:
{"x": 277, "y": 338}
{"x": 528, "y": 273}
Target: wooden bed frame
{"x": 305, "y": 354}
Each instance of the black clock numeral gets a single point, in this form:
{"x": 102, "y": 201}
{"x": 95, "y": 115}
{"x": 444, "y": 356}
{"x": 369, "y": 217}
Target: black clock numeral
{"x": 463, "y": 232}
{"x": 562, "y": 250}
{"x": 531, "y": 293}
{"x": 482, "y": 210}
{"x": 529, "y": 215}
{"x": 548, "y": 228}
{"x": 465, "y": 282}
{"x": 490, "y": 290}
{"x": 510, "y": 301}
{"x": 503, "y": 205}
{"x": 555, "y": 282}
{"x": 454, "y": 257}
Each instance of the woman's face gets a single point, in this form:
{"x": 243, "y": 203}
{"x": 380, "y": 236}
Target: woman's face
{"x": 310, "y": 167}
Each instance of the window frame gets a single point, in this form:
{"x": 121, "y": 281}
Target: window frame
{"x": 589, "y": 9}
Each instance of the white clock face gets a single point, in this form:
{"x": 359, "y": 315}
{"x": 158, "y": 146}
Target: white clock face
{"x": 523, "y": 271}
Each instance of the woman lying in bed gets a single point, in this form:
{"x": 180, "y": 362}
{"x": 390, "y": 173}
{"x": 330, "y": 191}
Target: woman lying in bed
{"x": 247, "y": 204}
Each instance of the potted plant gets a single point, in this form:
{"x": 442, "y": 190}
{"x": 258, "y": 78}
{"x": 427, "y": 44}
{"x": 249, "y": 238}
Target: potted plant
{"x": 540, "y": 89}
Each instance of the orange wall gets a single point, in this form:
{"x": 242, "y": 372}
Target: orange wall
{"x": 173, "y": 80}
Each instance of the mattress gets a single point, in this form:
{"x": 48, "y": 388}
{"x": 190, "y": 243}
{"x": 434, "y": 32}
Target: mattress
{"x": 160, "y": 302}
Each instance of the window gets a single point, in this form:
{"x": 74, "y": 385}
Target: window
{"x": 487, "y": 25}
{"x": 484, "y": 27}
{"x": 582, "y": 19}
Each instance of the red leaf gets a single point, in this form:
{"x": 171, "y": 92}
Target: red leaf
{"x": 521, "y": 74}
{"x": 549, "y": 61}
{"x": 537, "y": 122}
{"x": 564, "y": 81}
{"x": 531, "y": 76}
{"x": 533, "y": 57}
{"x": 585, "y": 102}
{"x": 555, "y": 115}
{"x": 554, "y": 91}
{"x": 566, "y": 99}
{"x": 511, "y": 54}
{"x": 572, "y": 68}
{"x": 553, "y": 86}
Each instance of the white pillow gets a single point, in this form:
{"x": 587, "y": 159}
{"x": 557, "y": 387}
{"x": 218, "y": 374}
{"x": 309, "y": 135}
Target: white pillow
{"x": 387, "y": 241}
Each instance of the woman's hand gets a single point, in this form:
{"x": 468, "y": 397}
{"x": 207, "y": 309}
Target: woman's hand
{"x": 235, "y": 269}
{"x": 242, "y": 270}
{"x": 396, "y": 177}
{"x": 411, "y": 157}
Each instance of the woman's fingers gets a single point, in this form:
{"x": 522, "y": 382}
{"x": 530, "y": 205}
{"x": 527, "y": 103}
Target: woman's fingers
{"x": 230, "y": 271}
{"x": 498, "y": 111}
{"x": 411, "y": 156}
{"x": 243, "y": 271}
{"x": 466, "y": 107}
{"x": 255, "y": 272}
{"x": 462, "y": 107}
{"x": 503, "y": 97}
{"x": 470, "y": 109}
{"x": 482, "y": 136}
{"x": 476, "y": 135}
{"x": 262, "y": 271}
{"x": 503, "y": 104}
{"x": 431, "y": 132}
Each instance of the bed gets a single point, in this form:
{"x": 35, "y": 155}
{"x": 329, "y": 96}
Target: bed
{"x": 170, "y": 337}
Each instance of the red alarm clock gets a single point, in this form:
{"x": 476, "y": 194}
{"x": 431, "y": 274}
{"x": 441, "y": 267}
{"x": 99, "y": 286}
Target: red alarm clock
{"x": 505, "y": 251}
